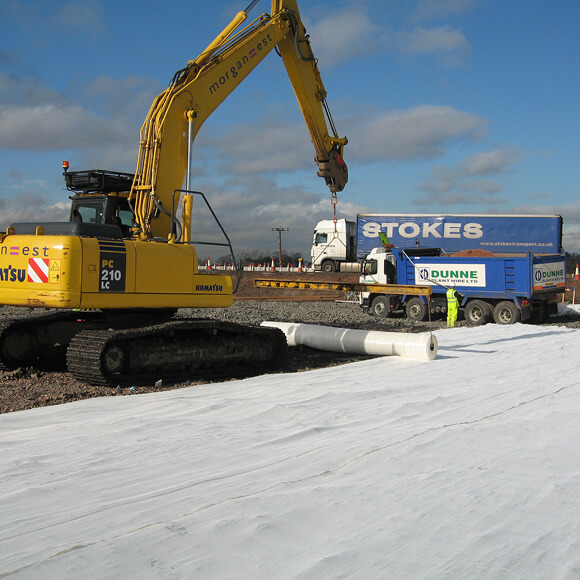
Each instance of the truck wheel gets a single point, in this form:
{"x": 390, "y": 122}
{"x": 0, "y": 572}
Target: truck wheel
{"x": 328, "y": 266}
{"x": 477, "y": 312}
{"x": 416, "y": 309}
{"x": 506, "y": 313}
{"x": 381, "y": 307}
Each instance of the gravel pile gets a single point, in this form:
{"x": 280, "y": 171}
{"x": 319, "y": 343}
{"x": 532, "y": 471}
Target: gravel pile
{"x": 342, "y": 314}
{"x": 27, "y": 388}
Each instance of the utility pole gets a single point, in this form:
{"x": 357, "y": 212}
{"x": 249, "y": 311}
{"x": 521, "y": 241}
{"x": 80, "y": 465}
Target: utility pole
{"x": 280, "y": 229}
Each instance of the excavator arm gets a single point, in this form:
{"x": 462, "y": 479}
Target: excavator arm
{"x": 202, "y": 85}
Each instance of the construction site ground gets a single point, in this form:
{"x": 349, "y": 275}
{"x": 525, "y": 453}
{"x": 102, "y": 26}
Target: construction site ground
{"x": 25, "y": 388}
{"x": 247, "y": 291}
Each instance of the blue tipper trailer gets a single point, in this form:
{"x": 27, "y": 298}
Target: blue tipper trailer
{"x": 528, "y": 283}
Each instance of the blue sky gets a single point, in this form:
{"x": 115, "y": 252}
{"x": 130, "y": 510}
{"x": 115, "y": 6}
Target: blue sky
{"x": 450, "y": 106}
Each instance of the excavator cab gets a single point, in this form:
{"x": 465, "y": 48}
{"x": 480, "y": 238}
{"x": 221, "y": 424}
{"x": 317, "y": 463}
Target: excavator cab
{"x": 101, "y": 198}
{"x": 103, "y": 209}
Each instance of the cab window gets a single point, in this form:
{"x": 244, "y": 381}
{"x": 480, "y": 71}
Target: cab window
{"x": 89, "y": 213}
{"x": 370, "y": 267}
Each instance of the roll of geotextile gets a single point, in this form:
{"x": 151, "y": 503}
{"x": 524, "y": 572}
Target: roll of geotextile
{"x": 421, "y": 346}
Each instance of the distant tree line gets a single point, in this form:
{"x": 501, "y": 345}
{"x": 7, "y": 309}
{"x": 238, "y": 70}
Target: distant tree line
{"x": 260, "y": 257}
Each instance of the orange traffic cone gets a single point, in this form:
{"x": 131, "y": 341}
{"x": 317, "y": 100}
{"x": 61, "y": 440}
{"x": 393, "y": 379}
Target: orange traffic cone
{"x": 577, "y": 275}
{"x": 272, "y": 267}
{"x": 208, "y": 263}
{"x": 299, "y": 265}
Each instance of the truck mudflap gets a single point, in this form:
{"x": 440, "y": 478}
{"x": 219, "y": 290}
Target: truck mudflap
{"x": 525, "y": 313}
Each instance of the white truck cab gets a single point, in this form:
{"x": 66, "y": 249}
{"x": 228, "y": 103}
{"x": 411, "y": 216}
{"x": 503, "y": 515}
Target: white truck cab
{"x": 332, "y": 246}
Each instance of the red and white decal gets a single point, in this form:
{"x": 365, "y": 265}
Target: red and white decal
{"x": 38, "y": 270}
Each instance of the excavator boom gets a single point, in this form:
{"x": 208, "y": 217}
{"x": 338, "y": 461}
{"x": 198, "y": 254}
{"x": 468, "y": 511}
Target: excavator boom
{"x": 203, "y": 84}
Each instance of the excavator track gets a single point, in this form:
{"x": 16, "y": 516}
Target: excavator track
{"x": 174, "y": 351}
{"x": 41, "y": 339}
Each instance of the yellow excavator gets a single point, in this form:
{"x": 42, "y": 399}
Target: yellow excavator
{"x": 125, "y": 262}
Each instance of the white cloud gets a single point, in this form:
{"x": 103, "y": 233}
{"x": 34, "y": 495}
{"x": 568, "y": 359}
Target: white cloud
{"x": 31, "y": 207}
{"x": 271, "y": 145}
{"x": 418, "y": 133}
{"x": 440, "y": 40}
{"x": 570, "y": 212}
{"x": 26, "y": 91}
{"x": 52, "y": 127}
{"x": 468, "y": 181}
{"x": 129, "y": 96}
{"x": 104, "y": 129}
{"x": 343, "y": 35}
{"x": 265, "y": 205}
{"x": 490, "y": 163}
{"x": 351, "y": 34}
{"x": 266, "y": 146}
{"x": 449, "y": 46}
{"x": 481, "y": 186}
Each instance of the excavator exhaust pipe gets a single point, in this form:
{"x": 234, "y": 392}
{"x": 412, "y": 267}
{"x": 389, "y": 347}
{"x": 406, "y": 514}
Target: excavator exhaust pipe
{"x": 421, "y": 346}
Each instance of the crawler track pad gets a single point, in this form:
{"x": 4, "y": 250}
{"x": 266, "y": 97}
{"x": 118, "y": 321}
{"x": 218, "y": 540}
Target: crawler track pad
{"x": 175, "y": 351}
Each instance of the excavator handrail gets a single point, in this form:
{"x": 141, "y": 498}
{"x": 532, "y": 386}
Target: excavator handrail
{"x": 238, "y": 268}
{"x": 214, "y": 215}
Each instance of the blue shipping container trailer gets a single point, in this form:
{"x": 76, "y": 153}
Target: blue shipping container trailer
{"x": 501, "y": 234}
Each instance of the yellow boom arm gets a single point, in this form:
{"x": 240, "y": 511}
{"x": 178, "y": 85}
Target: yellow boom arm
{"x": 203, "y": 84}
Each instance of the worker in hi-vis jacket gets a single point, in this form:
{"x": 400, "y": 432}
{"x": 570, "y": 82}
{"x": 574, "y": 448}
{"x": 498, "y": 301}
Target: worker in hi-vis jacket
{"x": 452, "y": 306}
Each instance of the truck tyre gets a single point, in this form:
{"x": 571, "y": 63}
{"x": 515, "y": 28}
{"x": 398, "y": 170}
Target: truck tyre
{"x": 381, "y": 306}
{"x": 477, "y": 312}
{"x": 328, "y": 266}
{"x": 506, "y": 312}
{"x": 416, "y": 309}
